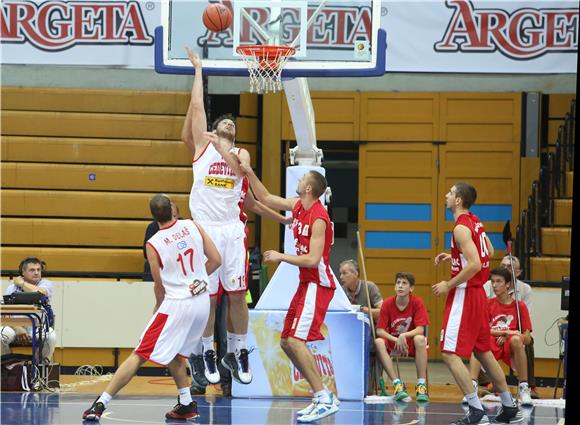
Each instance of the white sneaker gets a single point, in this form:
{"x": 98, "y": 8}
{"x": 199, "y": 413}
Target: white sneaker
{"x": 526, "y": 397}
{"x": 244, "y": 372}
{"x": 308, "y": 409}
{"x": 211, "y": 371}
{"x": 475, "y": 387}
{"x": 321, "y": 410}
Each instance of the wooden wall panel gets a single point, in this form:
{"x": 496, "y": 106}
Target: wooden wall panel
{"x": 336, "y": 115}
{"x": 399, "y": 116}
{"x": 481, "y": 117}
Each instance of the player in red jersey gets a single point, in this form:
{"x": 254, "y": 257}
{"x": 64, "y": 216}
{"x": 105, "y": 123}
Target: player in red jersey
{"x": 465, "y": 322}
{"x": 313, "y": 237}
{"x": 401, "y": 332}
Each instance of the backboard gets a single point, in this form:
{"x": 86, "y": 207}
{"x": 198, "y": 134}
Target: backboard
{"x": 332, "y": 37}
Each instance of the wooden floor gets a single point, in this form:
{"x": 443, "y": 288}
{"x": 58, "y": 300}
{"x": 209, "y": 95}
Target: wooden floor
{"x": 164, "y": 386}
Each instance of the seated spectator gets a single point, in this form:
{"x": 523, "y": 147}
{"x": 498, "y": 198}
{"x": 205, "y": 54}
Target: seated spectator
{"x": 30, "y": 280}
{"x": 353, "y": 286}
{"x": 153, "y": 228}
{"x": 401, "y": 332}
{"x": 507, "y": 342}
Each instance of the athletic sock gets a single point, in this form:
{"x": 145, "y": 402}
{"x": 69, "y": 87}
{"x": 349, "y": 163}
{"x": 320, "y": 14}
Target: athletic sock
{"x": 231, "y": 347}
{"x": 396, "y": 381}
{"x": 322, "y": 396}
{"x": 239, "y": 342}
{"x": 523, "y": 385}
{"x": 473, "y": 401}
{"x": 207, "y": 342}
{"x": 105, "y": 398}
{"x": 421, "y": 381}
{"x": 506, "y": 399}
{"x": 184, "y": 396}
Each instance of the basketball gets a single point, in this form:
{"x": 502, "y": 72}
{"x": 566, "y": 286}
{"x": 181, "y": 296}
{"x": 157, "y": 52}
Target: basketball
{"x": 217, "y": 17}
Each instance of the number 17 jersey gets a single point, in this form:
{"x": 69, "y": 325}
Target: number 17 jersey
{"x": 179, "y": 249}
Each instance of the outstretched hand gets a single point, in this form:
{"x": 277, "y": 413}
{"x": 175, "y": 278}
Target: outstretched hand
{"x": 193, "y": 58}
{"x": 272, "y": 256}
{"x": 247, "y": 169}
{"x": 440, "y": 288}
{"x": 213, "y": 138}
{"x": 442, "y": 257}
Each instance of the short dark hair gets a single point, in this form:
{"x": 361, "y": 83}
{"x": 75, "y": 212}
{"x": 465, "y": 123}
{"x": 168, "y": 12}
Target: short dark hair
{"x": 410, "y": 277}
{"x": 219, "y": 119}
{"x": 466, "y": 193}
{"x": 500, "y": 271}
{"x": 30, "y": 260}
{"x": 318, "y": 183}
{"x": 160, "y": 206}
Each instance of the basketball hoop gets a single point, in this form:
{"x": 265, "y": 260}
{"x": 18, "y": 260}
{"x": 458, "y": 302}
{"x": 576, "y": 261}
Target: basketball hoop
{"x": 265, "y": 65}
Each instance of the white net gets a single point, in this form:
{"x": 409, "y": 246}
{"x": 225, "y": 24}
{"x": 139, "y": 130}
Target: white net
{"x": 265, "y": 65}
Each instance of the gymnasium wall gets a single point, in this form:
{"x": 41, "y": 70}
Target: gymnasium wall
{"x": 79, "y": 166}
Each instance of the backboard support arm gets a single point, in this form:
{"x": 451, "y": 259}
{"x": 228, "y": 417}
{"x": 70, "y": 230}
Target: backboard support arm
{"x": 303, "y": 122}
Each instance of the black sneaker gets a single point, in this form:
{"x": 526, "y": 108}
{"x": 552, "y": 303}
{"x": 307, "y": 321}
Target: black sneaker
{"x": 472, "y": 416}
{"x": 197, "y": 371}
{"x": 95, "y": 411}
{"x": 239, "y": 366}
{"x": 509, "y": 415}
{"x": 230, "y": 363}
{"x": 182, "y": 411}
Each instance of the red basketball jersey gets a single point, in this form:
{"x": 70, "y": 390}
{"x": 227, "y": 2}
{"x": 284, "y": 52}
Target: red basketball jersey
{"x": 302, "y": 228}
{"x": 396, "y": 322}
{"x": 478, "y": 236}
{"x": 505, "y": 316}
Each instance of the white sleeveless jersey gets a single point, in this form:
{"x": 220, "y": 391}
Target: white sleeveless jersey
{"x": 179, "y": 248}
{"x": 217, "y": 194}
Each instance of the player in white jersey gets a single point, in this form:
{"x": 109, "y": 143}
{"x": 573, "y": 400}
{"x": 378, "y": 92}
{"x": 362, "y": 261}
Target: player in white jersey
{"x": 217, "y": 201}
{"x": 177, "y": 254}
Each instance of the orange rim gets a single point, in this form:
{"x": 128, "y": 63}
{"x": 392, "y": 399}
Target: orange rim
{"x": 266, "y": 54}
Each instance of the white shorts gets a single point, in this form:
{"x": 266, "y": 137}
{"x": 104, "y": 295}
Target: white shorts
{"x": 232, "y": 244}
{"x": 174, "y": 329}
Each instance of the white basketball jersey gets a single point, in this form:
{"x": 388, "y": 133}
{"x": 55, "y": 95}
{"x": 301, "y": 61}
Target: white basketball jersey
{"x": 181, "y": 257}
{"x": 217, "y": 194}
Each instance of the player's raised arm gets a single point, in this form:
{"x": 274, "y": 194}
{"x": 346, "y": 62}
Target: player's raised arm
{"x": 195, "y": 121}
{"x": 264, "y": 211}
{"x": 264, "y": 196}
{"x": 214, "y": 259}
{"x": 155, "y": 272}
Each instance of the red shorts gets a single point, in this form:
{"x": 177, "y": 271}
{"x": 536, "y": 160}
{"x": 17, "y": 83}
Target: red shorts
{"x": 306, "y": 312}
{"x": 502, "y": 352}
{"x": 465, "y": 322}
